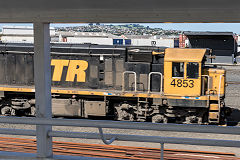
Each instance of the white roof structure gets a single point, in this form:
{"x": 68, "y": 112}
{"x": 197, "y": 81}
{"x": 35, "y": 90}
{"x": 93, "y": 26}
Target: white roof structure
{"x": 21, "y": 30}
{"x": 119, "y": 11}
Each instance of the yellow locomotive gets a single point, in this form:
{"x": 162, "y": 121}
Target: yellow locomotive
{"x": 132, "y": 84}
{"x": 188, "y": 82}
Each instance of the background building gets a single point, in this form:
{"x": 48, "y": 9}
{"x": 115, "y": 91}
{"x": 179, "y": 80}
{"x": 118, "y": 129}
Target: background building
{"x": 20, "y": 34}
{"x": 24, "y": 34}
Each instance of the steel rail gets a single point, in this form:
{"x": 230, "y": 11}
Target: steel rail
{"x": 104, "y": 151}
{"x": 122, "y": 125}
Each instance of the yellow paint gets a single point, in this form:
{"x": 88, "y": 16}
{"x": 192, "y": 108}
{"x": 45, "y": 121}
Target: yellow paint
{"x": 187, "y": 86}
{"x": 157, "y": 53}
{"x": 77, "y": 67}
{"x": 58, "y": 68}
{"x": 215, "y": 75}
{"x": 214, "y": 107}
{"x": 184, "y": 55}
{"x": 17, "y": 89}
{"x": 213, "y": 115}
{"x": 105, "y": 93}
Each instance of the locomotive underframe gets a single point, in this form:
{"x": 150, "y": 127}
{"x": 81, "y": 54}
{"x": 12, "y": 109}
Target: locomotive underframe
{"x": 163, "y": 109}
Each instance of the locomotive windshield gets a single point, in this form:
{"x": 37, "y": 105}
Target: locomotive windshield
{"x": 192, "y": 70}
{"x": 178, "y": 69}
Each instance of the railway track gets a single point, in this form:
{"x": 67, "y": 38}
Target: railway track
{"x": 111, "y": 151}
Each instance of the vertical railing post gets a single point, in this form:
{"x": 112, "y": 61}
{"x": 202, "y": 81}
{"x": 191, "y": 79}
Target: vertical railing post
{"x": 162, "y": 151}
{"x": 42, "y": 79}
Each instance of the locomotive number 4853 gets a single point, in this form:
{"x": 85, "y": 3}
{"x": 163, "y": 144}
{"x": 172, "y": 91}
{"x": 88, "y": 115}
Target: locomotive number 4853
{"x": 182, "y": 83}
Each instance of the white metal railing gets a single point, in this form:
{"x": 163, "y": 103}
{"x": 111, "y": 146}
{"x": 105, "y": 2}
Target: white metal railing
{"x": 109, "y": 138}
{"x": 135, "y": 80}
{"x": 149, "y": 81}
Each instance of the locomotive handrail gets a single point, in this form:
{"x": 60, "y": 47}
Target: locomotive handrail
{"x": 135, "y": 80}
{"x": 219, "y": 92}
{"x": 208, "y": 83}
{"x": 208, "y": 86}
{"x": 149, "y": 81}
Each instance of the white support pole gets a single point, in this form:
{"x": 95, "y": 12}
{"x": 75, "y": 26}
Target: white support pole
{"x": 42, "y": 79}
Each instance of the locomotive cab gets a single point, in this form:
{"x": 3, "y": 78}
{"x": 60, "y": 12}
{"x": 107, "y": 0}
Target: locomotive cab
{"x": 183, "y": 71}
{"x": 188, "y": 82}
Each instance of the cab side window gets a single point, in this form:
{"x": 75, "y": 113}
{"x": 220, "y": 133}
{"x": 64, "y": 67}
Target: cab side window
{"x": 178, "y": 69}
{"x": 192, "y": 70}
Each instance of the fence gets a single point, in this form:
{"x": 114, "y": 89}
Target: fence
{"x": 109, "y": 138}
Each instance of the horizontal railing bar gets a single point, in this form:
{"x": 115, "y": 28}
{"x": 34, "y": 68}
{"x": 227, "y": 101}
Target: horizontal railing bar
{"x": 135, "y": 138}
{"x": 122, "y": 137}
{"x": 152, "y": 139}
{"x": 18, "y": 132}
{"x": 122, "y": 125}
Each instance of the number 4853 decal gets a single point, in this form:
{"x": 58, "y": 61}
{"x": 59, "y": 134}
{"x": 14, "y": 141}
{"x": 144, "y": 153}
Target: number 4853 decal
{"x": 182, "y": 83}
